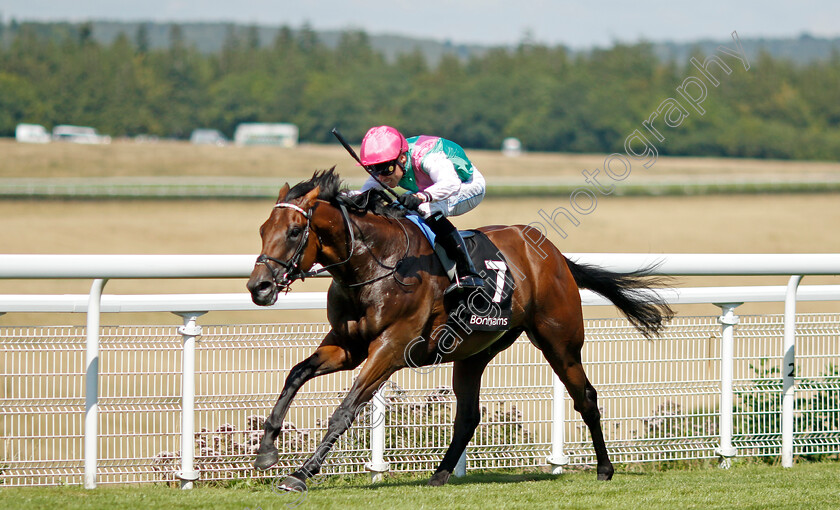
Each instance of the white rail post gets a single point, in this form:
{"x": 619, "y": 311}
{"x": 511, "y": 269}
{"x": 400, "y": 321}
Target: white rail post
{"x": 789, "y": 371}
{"x": 92, "y": 382}
{"x": 189, "y": 331}
{"x": 558, "y": 458}
{"x": 728, "y": 320}
{"x": 377, "y": 465}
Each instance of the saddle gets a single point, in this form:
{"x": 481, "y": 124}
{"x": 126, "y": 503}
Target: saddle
{"x": 486, "y": 309}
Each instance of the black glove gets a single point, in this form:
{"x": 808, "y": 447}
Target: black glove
{"x": 410, "y": 201}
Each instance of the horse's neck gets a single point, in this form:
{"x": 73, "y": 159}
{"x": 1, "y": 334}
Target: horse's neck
{"x": 377, "y": 243}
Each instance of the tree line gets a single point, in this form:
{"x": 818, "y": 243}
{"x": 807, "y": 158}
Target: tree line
{"x": 549, "y": 99}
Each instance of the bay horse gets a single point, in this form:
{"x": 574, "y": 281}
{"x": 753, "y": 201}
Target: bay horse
{"x": 386, "y": 307}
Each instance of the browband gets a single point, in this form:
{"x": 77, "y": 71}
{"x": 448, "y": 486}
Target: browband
{"x": 292, "y": 206}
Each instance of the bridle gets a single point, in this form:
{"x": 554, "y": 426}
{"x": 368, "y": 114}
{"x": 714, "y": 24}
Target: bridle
{"x": 292, "y": 270}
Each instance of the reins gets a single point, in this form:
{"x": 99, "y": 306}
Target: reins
{"x": 393, "y": 269}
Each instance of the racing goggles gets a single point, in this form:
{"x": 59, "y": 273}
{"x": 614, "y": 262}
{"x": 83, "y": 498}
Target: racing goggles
{"x": 387, "y": 168}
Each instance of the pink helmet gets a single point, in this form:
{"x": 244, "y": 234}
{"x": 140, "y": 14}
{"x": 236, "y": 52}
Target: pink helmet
{"x": 381, "y": 144}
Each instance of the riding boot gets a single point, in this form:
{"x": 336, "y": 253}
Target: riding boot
{"x": 450, "y": 239}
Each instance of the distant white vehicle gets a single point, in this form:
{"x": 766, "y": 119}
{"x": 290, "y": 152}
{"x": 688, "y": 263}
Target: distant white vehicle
{"x": 208, "y": 137}
{"x": 32, "y": 133}
{"x": 511, "y": 147}
{"x": 284, "y": 135}
{"x": 78, "y": 134}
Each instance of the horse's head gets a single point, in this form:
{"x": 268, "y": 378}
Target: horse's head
{"x": 287, "y": 250}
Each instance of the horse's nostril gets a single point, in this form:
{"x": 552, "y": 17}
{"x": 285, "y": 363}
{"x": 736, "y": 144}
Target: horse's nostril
{"x": 263, "y": 292}
{"x": 263, "y": 288}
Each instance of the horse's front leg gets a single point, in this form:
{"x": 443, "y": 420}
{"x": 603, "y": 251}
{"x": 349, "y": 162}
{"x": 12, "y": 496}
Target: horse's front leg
{"x": 326, "y": 359}
{"x": 376, "y": 371}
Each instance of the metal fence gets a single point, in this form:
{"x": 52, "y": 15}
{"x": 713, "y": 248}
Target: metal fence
{"x": 152, "y": 404}
{"x": 660, "y": 400}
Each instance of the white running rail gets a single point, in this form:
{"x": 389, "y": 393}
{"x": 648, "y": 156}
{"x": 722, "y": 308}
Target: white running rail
{"x": 101, "y": 268}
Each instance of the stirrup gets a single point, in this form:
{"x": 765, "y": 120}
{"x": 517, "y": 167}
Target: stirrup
{"x": 469, "y": 282}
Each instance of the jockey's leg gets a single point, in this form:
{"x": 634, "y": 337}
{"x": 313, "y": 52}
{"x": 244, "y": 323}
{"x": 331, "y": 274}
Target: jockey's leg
{"x": 448, "y": 236}
{"x": 468, "y": 197}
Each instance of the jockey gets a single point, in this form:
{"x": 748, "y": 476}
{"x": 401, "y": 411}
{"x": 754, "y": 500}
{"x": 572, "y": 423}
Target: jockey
{"x": 441, "y": 182}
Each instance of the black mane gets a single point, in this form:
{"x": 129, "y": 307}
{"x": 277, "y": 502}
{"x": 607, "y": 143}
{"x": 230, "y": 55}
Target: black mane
{"x": 333, "y": 190}
{"x": 329, "y": 182}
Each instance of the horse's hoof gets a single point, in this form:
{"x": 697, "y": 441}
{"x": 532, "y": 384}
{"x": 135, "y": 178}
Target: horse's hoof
{"x": 438, "y": 479}
{"x": 292, "y": 484}
{"x": 606, "y": 475}
{"x": 267, "y": 459}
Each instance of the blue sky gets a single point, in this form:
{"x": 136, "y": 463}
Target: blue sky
{"x": 575, "y": 24}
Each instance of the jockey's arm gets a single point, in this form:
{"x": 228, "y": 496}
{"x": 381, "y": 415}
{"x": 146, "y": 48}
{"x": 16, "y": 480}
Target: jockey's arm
{"x": 442, "y": 172}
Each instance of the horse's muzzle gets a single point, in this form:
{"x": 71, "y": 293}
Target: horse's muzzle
{"x": 263, "y": 292}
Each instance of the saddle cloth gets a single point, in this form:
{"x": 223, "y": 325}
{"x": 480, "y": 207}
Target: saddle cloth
{"x": 486, "y": 309}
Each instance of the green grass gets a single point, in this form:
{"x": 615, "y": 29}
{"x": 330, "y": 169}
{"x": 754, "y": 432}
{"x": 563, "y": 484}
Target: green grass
{"x": 806, "y": 485}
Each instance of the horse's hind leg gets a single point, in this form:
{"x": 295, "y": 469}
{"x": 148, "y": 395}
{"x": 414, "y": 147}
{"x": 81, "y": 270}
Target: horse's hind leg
{"x": 561, "y": 348}
{"x": 592, "y": 418}
{"x": 466, "y": 383}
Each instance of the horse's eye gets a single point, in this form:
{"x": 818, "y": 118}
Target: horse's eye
{"x": 294, "y": 232}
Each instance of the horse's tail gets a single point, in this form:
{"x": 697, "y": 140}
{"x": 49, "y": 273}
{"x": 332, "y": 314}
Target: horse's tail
{"x": 629, "y": 292}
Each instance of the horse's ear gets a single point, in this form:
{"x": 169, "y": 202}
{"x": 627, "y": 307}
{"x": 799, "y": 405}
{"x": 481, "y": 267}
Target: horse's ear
{"x": 283, "y": 192}
{"x": 310, "y": 197}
